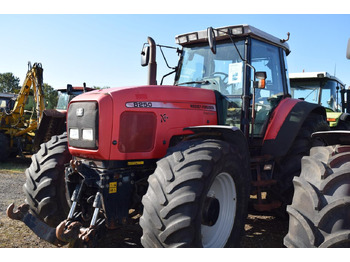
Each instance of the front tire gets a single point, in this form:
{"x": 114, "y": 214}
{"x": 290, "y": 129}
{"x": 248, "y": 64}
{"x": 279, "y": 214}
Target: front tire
{"x": 45, "y": 185}
{"x": 197, "y": 197}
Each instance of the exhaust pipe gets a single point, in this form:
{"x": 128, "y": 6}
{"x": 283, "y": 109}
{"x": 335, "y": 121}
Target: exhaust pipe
{"x": 152, "y": 65}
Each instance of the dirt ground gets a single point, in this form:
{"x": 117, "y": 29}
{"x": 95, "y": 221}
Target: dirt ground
{"x": 262, "y": 231}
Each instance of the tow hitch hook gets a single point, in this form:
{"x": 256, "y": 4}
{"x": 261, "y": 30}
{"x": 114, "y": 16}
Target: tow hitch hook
{"x": 41, "y": 229}
{"x": 68, "y": 232}
{"x": 72, "y": 231}
{"x": 19, "y": 214}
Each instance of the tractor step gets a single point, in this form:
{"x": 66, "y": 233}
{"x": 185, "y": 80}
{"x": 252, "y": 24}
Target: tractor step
{"x": 264, "y": 183}
{"x": 267, "y": 206}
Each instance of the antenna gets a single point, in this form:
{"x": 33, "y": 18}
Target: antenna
{"x": 335, "y": 69}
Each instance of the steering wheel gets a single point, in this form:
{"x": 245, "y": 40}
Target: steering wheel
{"x": 224, "y": 84}
{"x": 221, "y": 73}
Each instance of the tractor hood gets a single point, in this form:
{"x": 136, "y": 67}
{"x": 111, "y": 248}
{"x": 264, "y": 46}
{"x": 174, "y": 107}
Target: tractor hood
{"x": 135, "y": 122}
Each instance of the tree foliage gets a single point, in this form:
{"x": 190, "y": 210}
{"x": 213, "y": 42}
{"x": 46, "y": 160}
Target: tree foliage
{"x": 51, "y": 96}
{"x": 9, "y": 83}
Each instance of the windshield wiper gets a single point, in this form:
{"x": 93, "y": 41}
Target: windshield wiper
{"x": 203, "y": 82}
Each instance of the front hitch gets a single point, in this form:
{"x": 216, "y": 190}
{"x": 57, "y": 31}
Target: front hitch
{"x": 75, "y": 234}
{"x": 41, "y": 229}
{"x": 67, "y": 232}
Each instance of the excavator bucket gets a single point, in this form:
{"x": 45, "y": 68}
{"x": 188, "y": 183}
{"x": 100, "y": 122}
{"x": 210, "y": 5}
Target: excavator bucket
{"x": 52, "y": 123}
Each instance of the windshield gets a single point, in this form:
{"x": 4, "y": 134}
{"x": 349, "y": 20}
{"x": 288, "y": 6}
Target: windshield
{"x": 3, "y": 102}
{"x": 222, "y": 71}
{"x": 63, "y": 100}
{"x": 225, "y": 72}
{"x": 309, "y": 90}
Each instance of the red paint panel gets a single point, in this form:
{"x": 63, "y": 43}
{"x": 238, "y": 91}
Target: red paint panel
{"x": 279, "y": 116}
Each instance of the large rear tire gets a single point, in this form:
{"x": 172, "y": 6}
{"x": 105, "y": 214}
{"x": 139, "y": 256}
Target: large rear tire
{"x": 45, "y": 184}
{"x": 320, "y": 212}
{"x": 197, "y": 197}
{"x": 290, "y": 166}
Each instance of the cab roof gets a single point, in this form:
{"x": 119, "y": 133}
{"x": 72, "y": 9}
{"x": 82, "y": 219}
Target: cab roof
{"x": 223, "y": 33}
{"x": 314, "y": 75}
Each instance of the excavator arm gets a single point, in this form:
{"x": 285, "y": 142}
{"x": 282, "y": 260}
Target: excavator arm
{"x": 34, "y": 79}
{"x": 17, "y": 127}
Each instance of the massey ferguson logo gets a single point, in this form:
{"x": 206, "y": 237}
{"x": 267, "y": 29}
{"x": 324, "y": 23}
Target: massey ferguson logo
{"x": 79, "y": 112}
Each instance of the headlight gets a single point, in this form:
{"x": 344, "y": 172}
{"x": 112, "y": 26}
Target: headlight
{"x": 74, "y": 133}
{"x": 88, "y": 134}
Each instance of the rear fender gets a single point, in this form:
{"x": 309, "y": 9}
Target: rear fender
{"x": 285, "y": 123}
{"x": 334, "y": 137}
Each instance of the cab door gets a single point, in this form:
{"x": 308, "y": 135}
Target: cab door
{"x": 267, "y": 58}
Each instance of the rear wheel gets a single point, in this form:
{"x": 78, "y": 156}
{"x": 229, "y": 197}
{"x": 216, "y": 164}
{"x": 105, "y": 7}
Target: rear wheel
{"x": 290, "y": 165}
{"x": 45, "y": 185}
{"x": 320, "y": 211}
{"x": 197, "y": 197}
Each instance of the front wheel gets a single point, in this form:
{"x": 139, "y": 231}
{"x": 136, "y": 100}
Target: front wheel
{"x": 197, "y": 197}
{"x": 45, "y": 183}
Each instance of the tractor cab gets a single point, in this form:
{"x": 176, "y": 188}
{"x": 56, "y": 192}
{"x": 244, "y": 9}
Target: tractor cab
{"x": 326, "y": 90}
{"x": 65, "y": 95}
{"x": 7, "y": 101}
{"x": 246, "y": 65}
{"x": 319, "y": 88}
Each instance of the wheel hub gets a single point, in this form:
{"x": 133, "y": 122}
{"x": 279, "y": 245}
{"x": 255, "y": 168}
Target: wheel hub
{"x": 210, "y": 212}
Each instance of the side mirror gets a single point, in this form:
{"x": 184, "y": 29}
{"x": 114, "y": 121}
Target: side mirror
{"x": 211, "y": 39}
{"x": 145, "y": 56}
{"x": 348, "y": 50}
{"x": 260, "y": 81}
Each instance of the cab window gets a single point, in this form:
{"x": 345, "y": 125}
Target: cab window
{"x": 266, "y": 58}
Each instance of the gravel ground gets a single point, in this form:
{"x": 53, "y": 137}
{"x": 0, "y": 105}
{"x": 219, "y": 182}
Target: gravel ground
{"x": 262, "y": 231}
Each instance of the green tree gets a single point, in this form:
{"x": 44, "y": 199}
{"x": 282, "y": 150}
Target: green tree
{"x": 51, "y": 96}
{"x": 9, "y": 83}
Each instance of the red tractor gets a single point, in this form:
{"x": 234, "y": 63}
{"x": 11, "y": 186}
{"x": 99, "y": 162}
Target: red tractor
{"x": 184, "y": 160}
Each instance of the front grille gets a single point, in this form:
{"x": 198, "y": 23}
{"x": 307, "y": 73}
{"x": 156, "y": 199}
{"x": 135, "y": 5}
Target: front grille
{"x": 137, "y": 132}
{"x": 82, "y": 125}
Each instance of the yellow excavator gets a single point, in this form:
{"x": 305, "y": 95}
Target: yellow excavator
{"x": 20, "y": 117}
